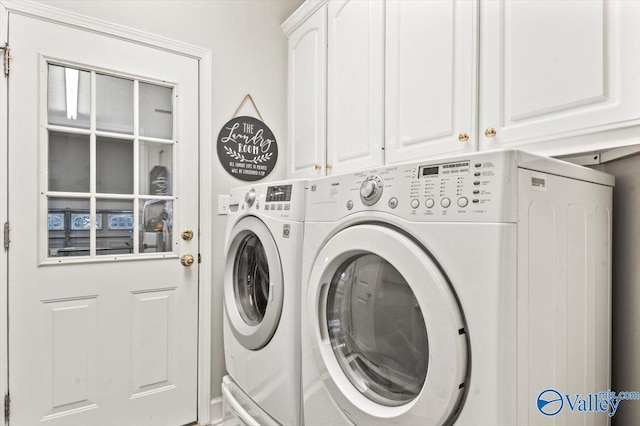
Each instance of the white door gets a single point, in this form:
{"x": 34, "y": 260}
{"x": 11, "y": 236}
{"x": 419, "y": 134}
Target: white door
{"x": 308, "y": 97}
{"x": 355, "y": 80}
{"x": 557, "y": 69}
{"x": 103, "y": 154}
{"x": 430, "y": 74}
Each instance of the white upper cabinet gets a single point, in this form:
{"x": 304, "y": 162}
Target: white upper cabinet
{"x": 552, "y": 70}
{"x": 355, "y": 119}
{"x": 430, "y": 81}
{"x": 307, "y": 97}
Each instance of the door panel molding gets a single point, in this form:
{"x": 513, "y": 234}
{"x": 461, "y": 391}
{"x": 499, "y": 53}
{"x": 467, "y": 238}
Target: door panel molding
{"x": 204, "y": 58}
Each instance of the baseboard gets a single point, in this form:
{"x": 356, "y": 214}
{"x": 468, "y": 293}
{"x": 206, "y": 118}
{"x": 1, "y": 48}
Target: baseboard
{"x": 216, "y": 411}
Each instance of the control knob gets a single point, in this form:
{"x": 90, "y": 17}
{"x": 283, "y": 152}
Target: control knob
{"x": 371, "y": 190}
{"x": 250, "y": 197}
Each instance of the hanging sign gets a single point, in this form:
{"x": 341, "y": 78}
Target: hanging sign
{"x": 247, "y": 148}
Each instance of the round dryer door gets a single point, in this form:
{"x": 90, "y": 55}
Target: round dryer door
{"x": 387, "y": 328}
{"x": 253, "y": 288}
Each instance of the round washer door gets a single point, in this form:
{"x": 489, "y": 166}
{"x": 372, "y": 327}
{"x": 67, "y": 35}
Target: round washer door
{"x": 386, "y": 329}
{"x": 253, "y": 287}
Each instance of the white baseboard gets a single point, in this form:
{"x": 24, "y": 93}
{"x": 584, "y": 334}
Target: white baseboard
{"x": 216, "y": 411}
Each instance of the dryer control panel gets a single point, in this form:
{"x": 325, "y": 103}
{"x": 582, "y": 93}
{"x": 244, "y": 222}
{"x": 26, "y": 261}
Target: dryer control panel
{"x": 476, "y": 187}
{"x": 284, "y": 200}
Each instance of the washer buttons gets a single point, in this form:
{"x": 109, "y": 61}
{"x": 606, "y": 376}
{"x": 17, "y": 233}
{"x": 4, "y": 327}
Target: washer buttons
{"x": 393, "y": 203}
{"x": 429, "y": 203}
{"x": 445, "y": 202}
{"x": 349, "y": 205}
{"x": 463, "y": 201}
{"x": 415, "y": 203}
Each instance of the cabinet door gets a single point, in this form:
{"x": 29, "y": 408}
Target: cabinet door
{"x": 355, "y": 84}
{"x": 553, "y": 70}
{"x": 307, "y": 97}
{"x": 431, "y": 50}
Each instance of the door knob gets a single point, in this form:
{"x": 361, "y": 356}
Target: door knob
{"x": 490, "y": 132}
{"x": 187, "y": 259}
{"x": 187, "y": 235}
{"x": 463, "y": 137}
{"x": 318, "y": 167}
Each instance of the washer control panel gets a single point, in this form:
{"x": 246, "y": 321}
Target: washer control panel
{"x": 278, "y": 199}
{"x": 477, "y": 187}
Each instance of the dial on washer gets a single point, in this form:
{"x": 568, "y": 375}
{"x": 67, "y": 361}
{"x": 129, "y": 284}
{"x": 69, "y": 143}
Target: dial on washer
{"x": 371, "y": 190}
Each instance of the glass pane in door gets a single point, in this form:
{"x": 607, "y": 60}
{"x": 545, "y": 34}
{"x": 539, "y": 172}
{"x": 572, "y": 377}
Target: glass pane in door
{"x": 69, "y": 162}
{"x": 114, "y": 104}
{"x": 156, "y": 226}
{"x": 69, "y": 97}
{"x": 156, "y": 111}
{"x": 68, "y": 225}
{"x": 114, "y": 165}
{"x": 377, "y": 330}
{"x": 116, "y": 234}
{"x": 156, "y": 168}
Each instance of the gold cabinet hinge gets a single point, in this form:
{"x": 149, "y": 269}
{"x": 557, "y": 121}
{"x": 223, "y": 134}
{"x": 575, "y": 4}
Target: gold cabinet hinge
{"x": 6, "y": 236}
{"x": 6, "y": 58}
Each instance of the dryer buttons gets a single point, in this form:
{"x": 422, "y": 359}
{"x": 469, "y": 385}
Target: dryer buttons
{"x": 429, "y": 203}
{"x": 415, "y": 203}
{"x": 445, "y": 202}
{"x": 393, "y": 203}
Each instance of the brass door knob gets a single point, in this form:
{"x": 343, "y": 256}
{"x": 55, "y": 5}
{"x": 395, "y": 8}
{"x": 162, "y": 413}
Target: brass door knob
{"x": 490, "y": 132}
{"x": 318, "y": 167}
{"x": 187, "y": 259}
{"x": 463, "y": 137}
{"x": 329, "y": 167}
{"x": 187, "y": 235}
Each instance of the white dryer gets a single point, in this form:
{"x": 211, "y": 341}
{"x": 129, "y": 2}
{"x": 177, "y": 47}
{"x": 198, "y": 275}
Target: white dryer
{"x": 455, "y": 291}
{"x": 261, "y": 302}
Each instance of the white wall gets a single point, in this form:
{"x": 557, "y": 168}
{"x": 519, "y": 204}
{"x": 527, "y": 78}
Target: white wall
{"x": 249, "y": 56}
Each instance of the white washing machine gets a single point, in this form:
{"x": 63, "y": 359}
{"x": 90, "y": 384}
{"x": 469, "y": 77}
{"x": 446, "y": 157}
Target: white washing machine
{"x": 262, "y": 303}
{"x": 455, "y": 291}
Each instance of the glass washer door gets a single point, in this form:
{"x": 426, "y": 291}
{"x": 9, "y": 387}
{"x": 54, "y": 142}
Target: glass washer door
{"x": 385, "y": 329}
{"x": 253, "y": 287}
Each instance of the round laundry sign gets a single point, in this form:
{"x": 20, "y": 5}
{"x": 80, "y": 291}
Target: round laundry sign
{"x": 247, "y": 148}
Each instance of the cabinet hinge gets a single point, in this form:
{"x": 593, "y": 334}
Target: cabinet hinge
{"x": 7, "y": 407}
{"x": 6, "y": 236}
{"x": 6, "y": 54}
{"x": 199, "y": 258}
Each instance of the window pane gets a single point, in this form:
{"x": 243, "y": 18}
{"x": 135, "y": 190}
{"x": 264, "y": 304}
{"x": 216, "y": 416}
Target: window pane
{"x": 116, "y": 235}
{"x": 114, "y": 166}
{"x": 114, "y": 104}
{"x": 156, "y": 218}
{"x": 156, "y": 111}
{"x": 69, "y": 97}
{"x": 68, "y": 222}
{"x": 377, "y": 330}
{"x": 69, "y": 162}
{"x": 156, "y": 167}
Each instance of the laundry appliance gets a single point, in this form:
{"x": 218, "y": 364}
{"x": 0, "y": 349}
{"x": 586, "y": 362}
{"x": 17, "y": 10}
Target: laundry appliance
{"x": 456, "y": 291}
{"x": 262, "y": 303}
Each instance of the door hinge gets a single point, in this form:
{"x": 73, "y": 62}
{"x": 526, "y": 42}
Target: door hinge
{"x": 199, "y": 258}
{"x": 6, "y": 58}
{"x": 7, "y": 409}
{"x": 6, "y": 236}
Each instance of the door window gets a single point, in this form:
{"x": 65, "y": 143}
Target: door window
{"x": 109, "y": 145}
{"x": 377, "y": 330}
{"x": 251, "y": 280}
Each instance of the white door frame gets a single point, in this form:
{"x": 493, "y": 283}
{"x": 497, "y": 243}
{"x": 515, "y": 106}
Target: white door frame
{"x": 204, "y": 58}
